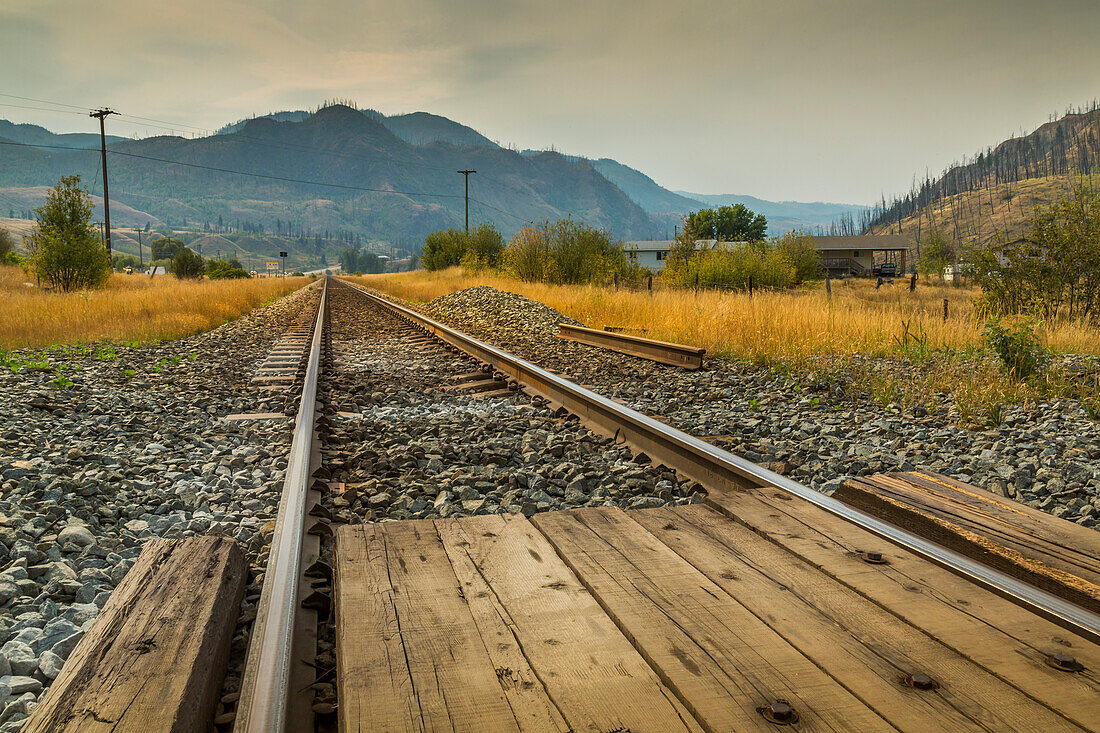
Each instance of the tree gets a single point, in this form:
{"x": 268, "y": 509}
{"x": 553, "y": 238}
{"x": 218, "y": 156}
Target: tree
{"x": 7, "y": 245}
{"x": 65, "y": 250}
{"x": 939, "y": 252}
{"x": 727, "y": 224}
{"x": 166, "y": 248}
{"x": 187, "y": 264}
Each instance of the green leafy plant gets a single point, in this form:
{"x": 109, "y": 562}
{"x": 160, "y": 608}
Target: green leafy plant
{"x": 129, "y": 373}
{"x": 1018, "y": 347}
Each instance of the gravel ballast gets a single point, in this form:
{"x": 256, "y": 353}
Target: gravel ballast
{"x": 1046, "y": 454}
{"x": 137, "y": 447}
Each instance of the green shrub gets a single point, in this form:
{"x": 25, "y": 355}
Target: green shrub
{"x": 187, "y": 264}
{"x": 567, "y": 252}
{"x": 224, "y": 270}
{"x": 444, "y": 249}
{"x": 1018, "y": 347}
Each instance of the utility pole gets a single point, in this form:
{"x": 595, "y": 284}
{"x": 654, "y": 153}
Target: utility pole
{"x": 467, "y": 175}
{"x": 141, "y": 260}
{"x": 101, "y": 114}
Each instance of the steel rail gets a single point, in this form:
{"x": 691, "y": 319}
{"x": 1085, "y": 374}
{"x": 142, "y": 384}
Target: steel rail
{"x": 714, "y": 467}
{"x": 665, "y": 352}
{"x": 265, "y": 687}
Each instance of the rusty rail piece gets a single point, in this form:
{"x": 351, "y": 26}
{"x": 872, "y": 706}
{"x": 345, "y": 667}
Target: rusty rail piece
{"x": 265, "y": 689}
{"x": 688, "y": 357}
{"x": 719, "y": 469}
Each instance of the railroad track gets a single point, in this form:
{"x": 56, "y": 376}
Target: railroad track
{"x": 301, "y": 588}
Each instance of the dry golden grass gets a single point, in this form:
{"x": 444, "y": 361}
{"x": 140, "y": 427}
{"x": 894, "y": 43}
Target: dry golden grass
{"x": 130, "y": 308}
{"x": 916, "y": 353}
{"x": 857, "y": 319}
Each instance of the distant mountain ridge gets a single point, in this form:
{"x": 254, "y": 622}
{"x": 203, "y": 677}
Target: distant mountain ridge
{"x": 392, "y": 179}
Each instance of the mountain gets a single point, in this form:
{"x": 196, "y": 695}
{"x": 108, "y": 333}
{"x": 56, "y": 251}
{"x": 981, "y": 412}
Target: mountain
{"x": 416, "y": 128}
{"x": 644, "y": 190}
{"x": 990, "y": 197}
{"x": 380, "y": 187}
{"x": 35, "y": 135}
{"x": 422, "y": 128}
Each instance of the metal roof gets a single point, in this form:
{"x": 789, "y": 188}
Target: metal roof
{"x": 862, "y": 241}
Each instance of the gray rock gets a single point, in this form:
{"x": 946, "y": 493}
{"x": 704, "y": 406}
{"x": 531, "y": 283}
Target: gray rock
{"x": 78, "y": 535}
{"x": 50, "y": 664}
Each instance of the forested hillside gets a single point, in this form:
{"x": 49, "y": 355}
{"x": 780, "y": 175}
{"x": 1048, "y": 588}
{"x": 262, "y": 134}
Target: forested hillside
{"x": 989, "y": 198}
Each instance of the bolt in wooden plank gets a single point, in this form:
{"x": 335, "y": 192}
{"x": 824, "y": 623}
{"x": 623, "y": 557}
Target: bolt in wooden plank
{"x": 865, "y": 648}
{"x": 723, "y": 662}
{"x": 1060, "y": 557}
{"x": 155, "y": 657}
{"x": 595, "y": 679}
{"x": 1003, "y": 637}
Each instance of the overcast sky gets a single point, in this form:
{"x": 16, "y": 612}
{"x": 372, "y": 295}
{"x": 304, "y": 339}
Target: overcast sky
{"x": 810, "y": 100}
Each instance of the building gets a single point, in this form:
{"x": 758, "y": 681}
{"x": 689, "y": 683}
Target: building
{"x": 651, "y": 254}
{"x": 862, "y": 254}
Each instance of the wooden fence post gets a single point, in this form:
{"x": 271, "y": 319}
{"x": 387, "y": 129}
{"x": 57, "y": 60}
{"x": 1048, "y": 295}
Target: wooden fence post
{"x": 616, "y": 281}
{"x": 750, "y": 286}
{"x": 649, "y": 283}
{"x": 912, "y": 282}
{"x": 945, "y": 310}
{"x": 828, "y": 286}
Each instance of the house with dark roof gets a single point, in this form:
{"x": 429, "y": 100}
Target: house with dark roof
{"x": 862, "y": 254}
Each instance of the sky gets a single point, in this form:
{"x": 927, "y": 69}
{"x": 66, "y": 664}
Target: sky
{"x": 814, "y": 100}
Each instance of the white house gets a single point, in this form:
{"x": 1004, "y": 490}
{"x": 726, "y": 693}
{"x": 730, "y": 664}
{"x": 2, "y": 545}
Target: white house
{"x": 650, "y": 254}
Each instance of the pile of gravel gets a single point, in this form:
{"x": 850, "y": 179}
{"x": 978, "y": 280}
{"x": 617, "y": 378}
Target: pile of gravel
{"x": 135, "y": 448}
{"x": 1046, "y": 454}
{"x": 475, "y": 306}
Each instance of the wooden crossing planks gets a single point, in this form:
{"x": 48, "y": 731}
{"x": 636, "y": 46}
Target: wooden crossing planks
{"x": 155, "y": 656}
{"x": 858, "y": 643}
{"x": 719, "y": 658}
{"x": 682, "y": 619}
{"x": 416, "y": 654}
{"x": 1060, "y": 557}
{"x": 1000, "y": 636}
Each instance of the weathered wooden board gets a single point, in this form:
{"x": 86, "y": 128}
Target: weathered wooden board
{"x": 861, "y": 645}
{"x": 1060, "y": 557}
{"x": 502, "y": 639}
{"x": 1000, "y": 636}
{"x": 155, "y": 657}
{"x": 409, "y": 653}
{"x": 594, "y": 676}
{"x": 719, "y": 658}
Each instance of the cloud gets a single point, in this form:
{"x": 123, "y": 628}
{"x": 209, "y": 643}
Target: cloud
{"x": 826, "y": 99}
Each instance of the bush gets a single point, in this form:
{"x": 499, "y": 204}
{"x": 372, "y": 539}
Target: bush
{"x": 224, "y": 270}
{"x": 798, "y": 249}
{"x": 65, "y": 249}
{"x": 484, "y": 249}
{"x": 769, "y": 264}
{"x": 120, "y": 261}
{"x": 444, "y": 249}
{"x": 1018, "y": 347}
{"x": 7, "y": 244}
{"x": 567, "y": 252}
{"x": 187, "y": 264}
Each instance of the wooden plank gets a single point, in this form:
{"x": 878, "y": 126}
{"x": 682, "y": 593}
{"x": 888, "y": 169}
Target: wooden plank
{"x": 597, "y": 681}
{"x": 1060, "y": 557}
{"x": 408, "y": 652}
{"x": 865, "y": 648}
{"x": 1004, "y": 638}
{"x": 723, "y": 662}
{"x": 155, "y": 657}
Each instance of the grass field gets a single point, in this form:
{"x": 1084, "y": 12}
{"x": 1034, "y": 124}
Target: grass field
{"x": 915, "y": 353}
{"x": 130, "y": 308}
{"x": 857, "y": 319}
